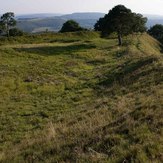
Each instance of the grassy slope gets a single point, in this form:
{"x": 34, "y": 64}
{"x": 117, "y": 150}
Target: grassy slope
{"x": 77, "y": 97}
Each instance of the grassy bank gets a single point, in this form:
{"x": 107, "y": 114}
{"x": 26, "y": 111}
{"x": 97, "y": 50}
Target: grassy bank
{"x": 80, "y": 98}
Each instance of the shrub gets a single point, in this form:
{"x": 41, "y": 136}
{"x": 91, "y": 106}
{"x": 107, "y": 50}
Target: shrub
{"x": 71, "y": 26}
{"x": 15, "y": 32}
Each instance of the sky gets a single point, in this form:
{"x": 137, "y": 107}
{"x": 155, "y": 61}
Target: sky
{"x": 154, "y": 7}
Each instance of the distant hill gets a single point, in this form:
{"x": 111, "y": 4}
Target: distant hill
{"x": 40, "y": 22}
{"x": 41, "y": 15}
{"x": 154, "y": 19}
{"x": 152, "y": 22}
{"x": 33, "y": 25}
{"x": 85, "y": 15}
{"x": 53, "y": 22}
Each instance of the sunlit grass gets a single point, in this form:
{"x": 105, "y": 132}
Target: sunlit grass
{"x": 77, "y": 97}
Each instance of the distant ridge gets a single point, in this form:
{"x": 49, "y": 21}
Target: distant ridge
{"x": 53, "y": 22}
{"x": 39, "y": 15}
{"x": 85, "y": 15}
{"x": 154, "y": 19}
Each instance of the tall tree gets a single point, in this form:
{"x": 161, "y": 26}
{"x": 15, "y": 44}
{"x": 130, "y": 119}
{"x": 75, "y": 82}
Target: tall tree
{"x": 122, "y": 21}
{"x": 7, "y": 21}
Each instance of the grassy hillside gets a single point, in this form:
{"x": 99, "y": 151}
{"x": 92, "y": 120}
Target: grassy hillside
{"x": 79, "y": 98}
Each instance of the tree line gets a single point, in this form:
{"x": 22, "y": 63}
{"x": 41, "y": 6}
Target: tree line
{"x": 119, "y": 20}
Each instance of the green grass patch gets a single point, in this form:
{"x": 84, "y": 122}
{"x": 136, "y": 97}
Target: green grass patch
{"x": 76, "y": 97}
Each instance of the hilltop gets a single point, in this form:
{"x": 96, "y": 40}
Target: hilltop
{"x": 76, "y": 97}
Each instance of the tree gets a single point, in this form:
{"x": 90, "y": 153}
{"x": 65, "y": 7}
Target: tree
{"x": 122, "y": 21}
{"x": 71, "y": 26}
{"x": 7, "y": 21}
{"x": 100, "y": 24}
{"x": 1, "y": 31}
{"x": 15, "y": 32}
{"x": 157, "y": 32}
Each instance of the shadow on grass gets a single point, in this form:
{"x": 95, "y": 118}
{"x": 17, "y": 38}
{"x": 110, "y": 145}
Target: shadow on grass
{"x": 64, "y": 40}
{"x": 110, "y": 48}
{"x": 56, "y": 50}
{"x": 128, "y": 71}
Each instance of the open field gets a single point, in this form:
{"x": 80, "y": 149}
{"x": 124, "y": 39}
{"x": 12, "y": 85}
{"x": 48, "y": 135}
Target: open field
{"x": 76, "y": 97}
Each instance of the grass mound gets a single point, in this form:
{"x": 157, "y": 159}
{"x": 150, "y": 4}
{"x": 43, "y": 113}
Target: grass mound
{"x": 85, "y": 100}
{"x": 50, "y": 38}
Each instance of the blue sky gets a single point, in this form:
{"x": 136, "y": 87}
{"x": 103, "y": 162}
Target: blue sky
{"x": 70, "y": 6}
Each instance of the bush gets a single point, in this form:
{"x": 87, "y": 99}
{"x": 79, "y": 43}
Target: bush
{"x": 157, "y": 32}
{"x": 71, "y": 26}
{"x": 15, "y": 32}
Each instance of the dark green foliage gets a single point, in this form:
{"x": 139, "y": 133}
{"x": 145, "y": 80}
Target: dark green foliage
{"x": 15, "y": 32}
{"x": 138, "y": 23}
{"x": 157, "y": 32}
{"x": 122, "y": 21}
{"x": 71, "y": 26}
{"x": 1, "y": 31}
{"x": 99, "y": 26}
{"x": 7, "y": 21}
